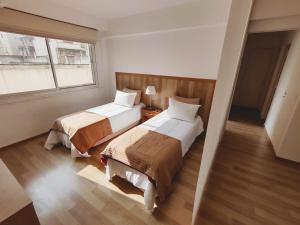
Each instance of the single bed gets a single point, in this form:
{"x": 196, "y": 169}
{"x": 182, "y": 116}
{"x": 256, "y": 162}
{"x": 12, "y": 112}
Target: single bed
{"x": 185, "y": 132}
{"x": 120, "y": 118}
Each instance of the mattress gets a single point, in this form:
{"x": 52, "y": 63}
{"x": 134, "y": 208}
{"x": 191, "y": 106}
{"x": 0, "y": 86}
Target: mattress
{"x": 184, "y": 131}
{"x": 120, "y": 117}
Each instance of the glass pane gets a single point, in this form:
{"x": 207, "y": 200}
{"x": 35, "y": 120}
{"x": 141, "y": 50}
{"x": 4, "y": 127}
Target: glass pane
{"x": 72, "y": 62}
{"x": 24, "y": 64}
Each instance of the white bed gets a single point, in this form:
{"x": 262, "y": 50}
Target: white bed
{"x": 121, "y": 118}
{"x": 184, "y": 131}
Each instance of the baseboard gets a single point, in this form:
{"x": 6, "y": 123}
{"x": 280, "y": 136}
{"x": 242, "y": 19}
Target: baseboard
{"x": 22, "y": 141}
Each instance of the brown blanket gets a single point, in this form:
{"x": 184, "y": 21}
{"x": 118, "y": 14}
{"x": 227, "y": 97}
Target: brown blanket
{"x": 156, "y": 155}
{"x": 84, "y": 128}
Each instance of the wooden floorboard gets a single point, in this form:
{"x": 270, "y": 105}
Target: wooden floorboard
{"x": 67, "y": 191}
{"x": 248, "y": 185}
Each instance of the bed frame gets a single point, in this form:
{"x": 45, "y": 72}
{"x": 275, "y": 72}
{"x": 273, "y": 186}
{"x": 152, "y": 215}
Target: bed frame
{"x": 167, "y": 86}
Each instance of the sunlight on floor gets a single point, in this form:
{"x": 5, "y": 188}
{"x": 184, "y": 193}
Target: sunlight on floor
{"x": 93, "y": 174}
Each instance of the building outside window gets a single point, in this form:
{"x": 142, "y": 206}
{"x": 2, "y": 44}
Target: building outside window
{"x": 29, "y": 63}
{"x": 72, "y": 62}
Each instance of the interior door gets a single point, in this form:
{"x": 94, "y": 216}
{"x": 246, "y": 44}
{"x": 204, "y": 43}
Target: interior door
{"x": 274, "y": 80}
{"x": 254, "y": 78}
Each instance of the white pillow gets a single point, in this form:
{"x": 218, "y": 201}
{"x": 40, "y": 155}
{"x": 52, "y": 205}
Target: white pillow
{"x": 125, "y": 99}
{"x": 137, "y": 97}
{"x": 182, "y": 111}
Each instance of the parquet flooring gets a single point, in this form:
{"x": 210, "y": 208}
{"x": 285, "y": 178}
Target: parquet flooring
{"x": 248, "y": 185}
{"x": 67, "y": 191}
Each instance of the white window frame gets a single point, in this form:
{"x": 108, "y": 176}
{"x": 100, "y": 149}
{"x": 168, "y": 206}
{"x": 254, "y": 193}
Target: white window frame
{"x": 36, "y": 94}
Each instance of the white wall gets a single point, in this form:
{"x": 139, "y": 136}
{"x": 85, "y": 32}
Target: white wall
{"x": 185, "y": 40}
{"x": 285, "y": 99}
{"x": 290, "y": 146}
{"x": 267, "y": 9}
{"x": 193, "y": 52}
{"x": 230, "y": 59}
{"x": 22, "y": 117}
{"x": 275, "y": 15}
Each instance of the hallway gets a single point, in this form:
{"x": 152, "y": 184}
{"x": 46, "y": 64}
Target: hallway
{"x": 248, "y": 185}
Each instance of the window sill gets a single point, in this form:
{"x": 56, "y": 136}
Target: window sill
{"x": 35, "y": 95}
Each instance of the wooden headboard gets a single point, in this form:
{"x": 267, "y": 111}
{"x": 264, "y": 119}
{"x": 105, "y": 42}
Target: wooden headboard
{"x": 168, "y": 86}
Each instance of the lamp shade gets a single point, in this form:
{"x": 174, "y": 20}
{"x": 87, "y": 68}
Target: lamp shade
{"x": 150, "y": 90}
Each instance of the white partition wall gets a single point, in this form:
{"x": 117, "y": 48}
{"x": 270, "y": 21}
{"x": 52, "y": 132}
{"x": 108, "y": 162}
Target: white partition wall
{"x": 227, "y": 74}
{"x": 282, "y": 123}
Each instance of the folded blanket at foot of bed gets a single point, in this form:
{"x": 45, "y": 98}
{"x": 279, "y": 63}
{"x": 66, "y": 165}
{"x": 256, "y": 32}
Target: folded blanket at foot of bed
{"x": 156, "y": 155}
{"x": 84, "y": 129}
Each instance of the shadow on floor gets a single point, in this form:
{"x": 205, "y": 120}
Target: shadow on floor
{"x": 245, "y": 115}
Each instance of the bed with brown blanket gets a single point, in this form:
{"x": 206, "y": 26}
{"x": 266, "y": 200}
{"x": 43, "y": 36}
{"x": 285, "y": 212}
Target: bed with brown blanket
{"x": 83, "y": 130}
{"x": 150, "y": 155}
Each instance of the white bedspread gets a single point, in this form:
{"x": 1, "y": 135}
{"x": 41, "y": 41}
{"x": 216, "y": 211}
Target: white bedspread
{"x": 184, "y": 131}
{"x": 119, "y": 116}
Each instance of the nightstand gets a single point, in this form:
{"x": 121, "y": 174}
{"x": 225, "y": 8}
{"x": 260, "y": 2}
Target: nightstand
{"x": 148, "y": 113}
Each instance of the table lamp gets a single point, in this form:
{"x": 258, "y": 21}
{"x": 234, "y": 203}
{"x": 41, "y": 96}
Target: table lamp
{"x": 150, "y": 90}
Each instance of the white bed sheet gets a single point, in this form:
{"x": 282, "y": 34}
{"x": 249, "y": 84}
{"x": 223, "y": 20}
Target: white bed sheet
{"x": 119, "y": 116}
{"x": 184, "y": 131}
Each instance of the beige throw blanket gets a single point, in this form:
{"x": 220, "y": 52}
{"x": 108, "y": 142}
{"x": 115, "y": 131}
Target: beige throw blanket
{"x": 84, "y": 129}
{"x": 154, "y": 154}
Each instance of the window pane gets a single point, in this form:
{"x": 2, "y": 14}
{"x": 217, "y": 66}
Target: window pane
{"x": 72, "y": 62}
{"x": 24, "y": 64}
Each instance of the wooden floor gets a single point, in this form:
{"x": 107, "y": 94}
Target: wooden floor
{"x": 248, "y": 184}
{"x": 72, "y": 192}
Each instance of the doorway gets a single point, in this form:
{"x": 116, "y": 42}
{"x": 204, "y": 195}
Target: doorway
{"x": 262, "y": 63}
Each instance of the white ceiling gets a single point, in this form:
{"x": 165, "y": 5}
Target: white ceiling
{"x": 93, "y": 13}
{"x": 110, "y": 9}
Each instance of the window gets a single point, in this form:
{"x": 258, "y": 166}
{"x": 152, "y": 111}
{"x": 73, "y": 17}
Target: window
{"x": 24, "y": 64}
{"x": 72, "y": 63}
{"x": 29, "y": 63}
